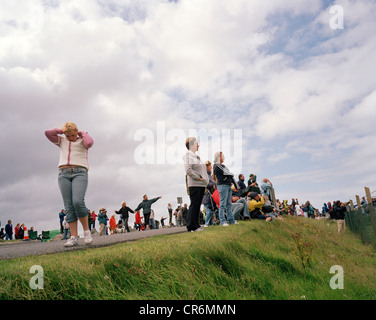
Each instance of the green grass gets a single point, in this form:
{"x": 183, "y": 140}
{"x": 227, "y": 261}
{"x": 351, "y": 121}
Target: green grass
{"x": 252, "y": 260}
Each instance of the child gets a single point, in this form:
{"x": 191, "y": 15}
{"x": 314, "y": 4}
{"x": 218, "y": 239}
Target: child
{"x": 73, "y": 176}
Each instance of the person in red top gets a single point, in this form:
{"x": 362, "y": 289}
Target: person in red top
{"x": 112, "y": 223}
{"x": 16, "y": 228}
{"x": 93, "y": 217}
{"x": 138, "y": 221}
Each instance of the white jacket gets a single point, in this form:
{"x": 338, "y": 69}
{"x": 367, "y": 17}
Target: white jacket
{"x": 195, "y": 169}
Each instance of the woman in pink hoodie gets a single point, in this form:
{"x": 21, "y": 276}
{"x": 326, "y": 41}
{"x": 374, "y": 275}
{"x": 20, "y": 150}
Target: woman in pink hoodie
{"x": 73, "y": 176}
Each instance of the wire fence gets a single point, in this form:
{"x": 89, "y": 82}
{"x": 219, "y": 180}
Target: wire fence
{"x": 361, "y": 218}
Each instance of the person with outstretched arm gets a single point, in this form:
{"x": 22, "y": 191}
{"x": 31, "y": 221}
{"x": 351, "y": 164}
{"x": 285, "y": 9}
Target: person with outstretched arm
{"x": 145, "y": 205}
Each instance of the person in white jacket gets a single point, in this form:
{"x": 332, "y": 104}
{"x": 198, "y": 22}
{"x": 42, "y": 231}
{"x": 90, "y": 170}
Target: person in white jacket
{"x": 197, "y": 180}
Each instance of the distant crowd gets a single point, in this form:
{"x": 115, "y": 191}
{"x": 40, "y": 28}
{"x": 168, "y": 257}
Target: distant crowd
{"x": 249, "y": 201}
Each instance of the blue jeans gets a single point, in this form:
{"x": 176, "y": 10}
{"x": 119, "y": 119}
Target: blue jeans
{"x": 225, "y": 204}
{"x": 237, "y": 208}
{"x": 244, "y": 208}
{"x": 73, "y": 185}
{"x": 209, "y": 214}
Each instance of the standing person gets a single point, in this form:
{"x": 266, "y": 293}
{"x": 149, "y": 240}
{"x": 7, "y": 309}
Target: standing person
{"x": 73, "y": 176}
{"x": 145, "y": 205}
{"x": 124, "y": 214}
{"x": 102, "y": 220}
{"x": 179, "y": 217}
{"x": 340, "y": 215}
{"x": 225, "y": 179}
{"x": 112, "y": 224}
{"x": 61, "y": 218}
{"x": 65, "y": 228}
{"x": 21, "y": 232}
{"x": 197, "y": 179}
{"x": 152, "y": 220}
{"x": 169, "y": 209}
{"x": 207, "y": 200}
{"x": 162, "y": 221}
{"x": 93, "y": 217}
{"x": 184, "y": 214}
{"x": 16, "y": 228}
{"x": 8, "y": 230}
{"x": 90, "y": 220}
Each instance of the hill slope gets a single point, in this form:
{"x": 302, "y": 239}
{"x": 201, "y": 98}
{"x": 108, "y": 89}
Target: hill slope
{"x": 252, "y": 260}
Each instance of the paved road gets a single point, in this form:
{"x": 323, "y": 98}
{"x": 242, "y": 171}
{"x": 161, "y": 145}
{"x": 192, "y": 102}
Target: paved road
{"x": 35, "y": 247}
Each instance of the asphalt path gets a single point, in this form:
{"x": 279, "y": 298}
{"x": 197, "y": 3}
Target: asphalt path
{"x": 17, "y": 249}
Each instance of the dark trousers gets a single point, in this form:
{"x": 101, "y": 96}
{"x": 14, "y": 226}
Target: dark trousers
{"x": 195, "y": 194}
{"x": 125, "y": 223}
{"x": 146, "y": 218}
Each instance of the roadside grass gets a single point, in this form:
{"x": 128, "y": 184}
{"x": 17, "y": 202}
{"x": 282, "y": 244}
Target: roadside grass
{"x": 251, "y": 261}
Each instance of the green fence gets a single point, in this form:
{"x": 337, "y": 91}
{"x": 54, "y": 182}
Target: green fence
{"x": 362, "y": 219}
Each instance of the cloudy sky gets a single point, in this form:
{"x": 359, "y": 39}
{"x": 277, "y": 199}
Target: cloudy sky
{"x": 282, "y": 87}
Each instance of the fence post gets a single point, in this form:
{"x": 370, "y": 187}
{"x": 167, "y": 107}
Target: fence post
{"x": 371, "y": 210}
{"x": 272, "y": 194}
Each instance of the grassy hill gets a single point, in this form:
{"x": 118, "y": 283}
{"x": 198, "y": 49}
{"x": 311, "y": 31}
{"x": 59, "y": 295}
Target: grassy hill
{"x": 288, "y": 259}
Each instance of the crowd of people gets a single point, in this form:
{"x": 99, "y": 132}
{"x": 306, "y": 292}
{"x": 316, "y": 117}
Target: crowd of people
{"x": 249, "y": 201}
{"x": 224, "y": 199}
{"x": 19, "y": 231}
{"x": 227, "y": 200}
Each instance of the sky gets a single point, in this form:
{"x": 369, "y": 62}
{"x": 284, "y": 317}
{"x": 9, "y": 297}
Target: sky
{"x": 286, "y": 89}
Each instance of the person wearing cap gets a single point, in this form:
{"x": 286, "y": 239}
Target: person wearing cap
{"x": 256, "y": 205}
{"x": 102, "y": 220}
{"x": 252, "y": 184}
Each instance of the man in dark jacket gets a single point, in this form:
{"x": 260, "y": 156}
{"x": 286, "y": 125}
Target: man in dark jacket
{"x": 124, "y": 214}
{"x": 339, "y": 215}
{"x": 145, "y": 205}
{"x": 8, "y": 230}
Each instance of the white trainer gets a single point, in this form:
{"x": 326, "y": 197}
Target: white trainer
{"x": 72, "y": 241}
{"x": 87, "y": 236}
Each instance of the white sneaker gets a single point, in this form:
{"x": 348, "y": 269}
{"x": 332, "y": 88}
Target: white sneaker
{"x": 225, "y": 225}
{"x": 72, "y": 241}
{"x": 87, "y": 236}
{"x": 236, "y": 222}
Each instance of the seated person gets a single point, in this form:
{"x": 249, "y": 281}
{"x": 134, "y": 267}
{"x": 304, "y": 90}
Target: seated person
{"x": 257, "y": 210}
{"x": 238, "y": 206}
